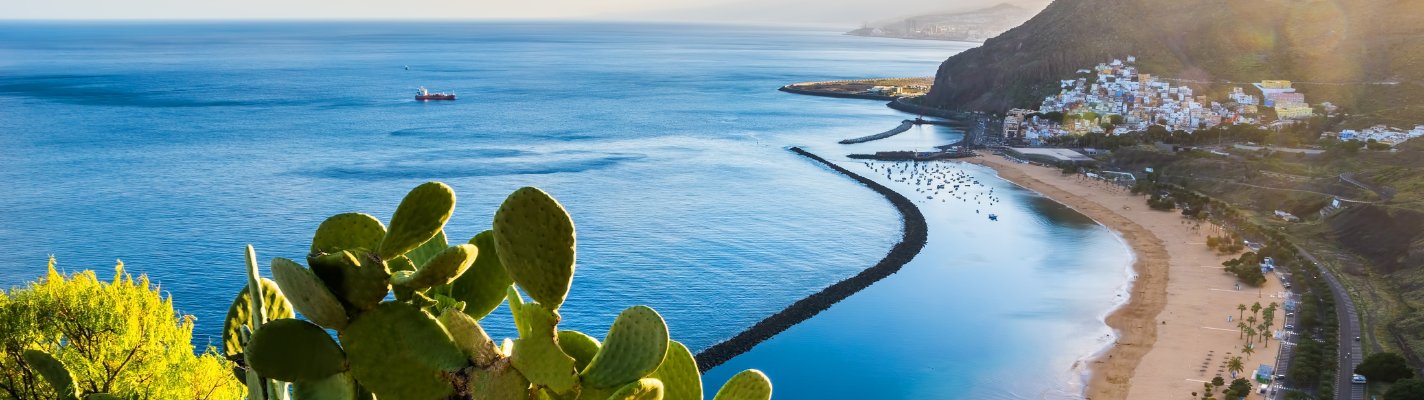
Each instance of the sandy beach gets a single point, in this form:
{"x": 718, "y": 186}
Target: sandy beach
{"x": 1173, "y": 332}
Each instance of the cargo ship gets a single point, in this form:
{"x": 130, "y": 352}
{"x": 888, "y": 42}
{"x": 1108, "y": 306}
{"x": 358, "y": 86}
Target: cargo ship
{"x": 424, "y": 95}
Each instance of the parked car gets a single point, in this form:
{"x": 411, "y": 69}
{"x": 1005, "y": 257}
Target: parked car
{"x": 1357, "y": 378}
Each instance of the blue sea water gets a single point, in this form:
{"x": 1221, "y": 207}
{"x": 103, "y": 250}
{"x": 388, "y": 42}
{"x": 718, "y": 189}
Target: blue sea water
{"x": 172, "y": 145}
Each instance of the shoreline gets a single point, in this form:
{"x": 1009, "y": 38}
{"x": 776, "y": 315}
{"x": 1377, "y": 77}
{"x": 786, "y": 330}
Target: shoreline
{"x": 914, "y": 237}
{"x": 1177, "y": 328}
{"x": 1133, "y": 321}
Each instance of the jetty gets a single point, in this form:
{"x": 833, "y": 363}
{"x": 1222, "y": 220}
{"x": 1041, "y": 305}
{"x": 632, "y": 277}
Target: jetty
{"x": 913, "y": 238}
{"x": 904, "y": 126}
{"x": 915, "y": 155}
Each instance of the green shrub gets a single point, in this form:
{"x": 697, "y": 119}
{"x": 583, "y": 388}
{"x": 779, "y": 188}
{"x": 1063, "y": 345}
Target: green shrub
{"x": 120, "y": 337}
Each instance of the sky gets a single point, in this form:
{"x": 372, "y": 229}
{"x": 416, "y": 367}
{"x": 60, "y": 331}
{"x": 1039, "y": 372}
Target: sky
{"x": 798, "y": 12}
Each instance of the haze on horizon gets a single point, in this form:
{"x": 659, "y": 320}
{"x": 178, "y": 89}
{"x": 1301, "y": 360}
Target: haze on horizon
{"x": 792, "y": 12}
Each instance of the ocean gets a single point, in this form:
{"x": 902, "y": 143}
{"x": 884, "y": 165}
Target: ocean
{"x": 170, "y": 146}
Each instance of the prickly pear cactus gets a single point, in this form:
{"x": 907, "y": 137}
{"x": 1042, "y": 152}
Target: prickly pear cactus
{"x": 579, "y": 346}
{"x": 399, "y": 350}
{"x": 642, "y": 389}
{"x": 534, "y": 238}
{"x": 335, "y": 387}
{"x": 53, "y": 372}
{"x": 679, "y": 374}
{"x": 357, "y": 277}
{"x": 470, "y": 338}
{"x": 239, "y": 315}
{"x": 420, "y": 216}
{"x": 347, "y": 231}
{"x": 635, "y": 346}
{"x": 294, "y": 351}
{"x": 308, "y": 294}
{"x": 483, "y": 286}
{"x": 441, "y": 269}
{"x": 746, "y": 385}
{"x": 536, "y": 354}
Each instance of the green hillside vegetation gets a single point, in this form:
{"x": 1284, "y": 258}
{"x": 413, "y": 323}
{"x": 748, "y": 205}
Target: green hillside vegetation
{"x": 1366, "y": 56}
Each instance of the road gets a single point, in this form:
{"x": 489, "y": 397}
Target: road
{"x": 1350, "y": 351}
{"x": 1384, "y": 194}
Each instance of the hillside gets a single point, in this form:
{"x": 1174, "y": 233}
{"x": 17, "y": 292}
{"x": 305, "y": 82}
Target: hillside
{"x": 1366, "y": 55}
{"x": 976, "y": 25}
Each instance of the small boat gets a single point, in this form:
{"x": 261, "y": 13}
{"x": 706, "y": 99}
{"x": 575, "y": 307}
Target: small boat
{"x": 424, "y": 95}
{"x": 993, "y": 217}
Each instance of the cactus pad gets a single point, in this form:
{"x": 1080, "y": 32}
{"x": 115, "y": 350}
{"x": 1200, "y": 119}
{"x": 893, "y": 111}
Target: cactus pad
{"x": 355, "y": 276}
{"x": 420, "y": 216}
{"x": 239, "y": 315}
{"x": 535, "y": 242}
{"x": 746, "y": 385}
{"x": 399, "y": 352}
{"x": 634, "y": 347}
{"x": 441, "y": 269}
{"x": 642, "y": 389}
{"x": 429, "y": 249}
{"x": 336, "y": 387}
{"x": 347, "y": 231}
{"x": 293, "y": 350}
{"x": 308, "y": 294}
{"x": 679, "y": 374}
{"x": 482, "y": 287}
{"x": 499, "y": 381}
{"x": 470, "y": 337}
{"x": 536, "y": 355}
{"x": 53, "y": 372}
{"x": 579, "y": 346}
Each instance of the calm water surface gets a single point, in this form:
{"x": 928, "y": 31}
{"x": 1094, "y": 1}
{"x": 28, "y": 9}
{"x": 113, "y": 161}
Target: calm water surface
{"x": 170, "y": 146}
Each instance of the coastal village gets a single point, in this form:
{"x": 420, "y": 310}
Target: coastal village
{"x": 1116, "y": 97}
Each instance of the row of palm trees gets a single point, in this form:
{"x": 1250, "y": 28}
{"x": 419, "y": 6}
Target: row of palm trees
{"x": 1253, "y": 331}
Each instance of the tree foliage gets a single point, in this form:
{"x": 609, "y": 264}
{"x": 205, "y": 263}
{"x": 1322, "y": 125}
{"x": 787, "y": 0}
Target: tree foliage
{"x": 1247, "y": 268}
{"x": 1384, "y": 367}
{"x": 120, "y": 337}
{"x": 1406, "y": 389}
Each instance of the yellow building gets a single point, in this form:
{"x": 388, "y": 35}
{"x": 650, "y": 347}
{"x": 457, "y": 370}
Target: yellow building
{"x": 1276, "y": 84}
{"x": 1294, "y": 112}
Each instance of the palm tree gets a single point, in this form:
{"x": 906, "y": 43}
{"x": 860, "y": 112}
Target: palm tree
{"x": 1247, "y": 350}
{"x": 1241, "y": 327}
{"x": 1255, "y": 308}
{"x": 1235, "y": 365}
{"x": 1242, "y": 308}
{"x": 1266, "y": 334}
{"x": 1250, "y": 334}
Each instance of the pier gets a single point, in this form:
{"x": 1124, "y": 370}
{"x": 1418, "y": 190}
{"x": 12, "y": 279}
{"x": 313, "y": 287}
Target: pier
{"x": 904, "y": 126}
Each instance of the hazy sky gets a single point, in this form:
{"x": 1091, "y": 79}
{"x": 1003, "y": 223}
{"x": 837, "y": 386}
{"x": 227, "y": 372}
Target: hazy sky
{"x": 823, "y": 12}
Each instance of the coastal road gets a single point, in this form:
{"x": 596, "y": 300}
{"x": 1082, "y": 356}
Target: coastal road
{"x": 1350, "y": 351}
